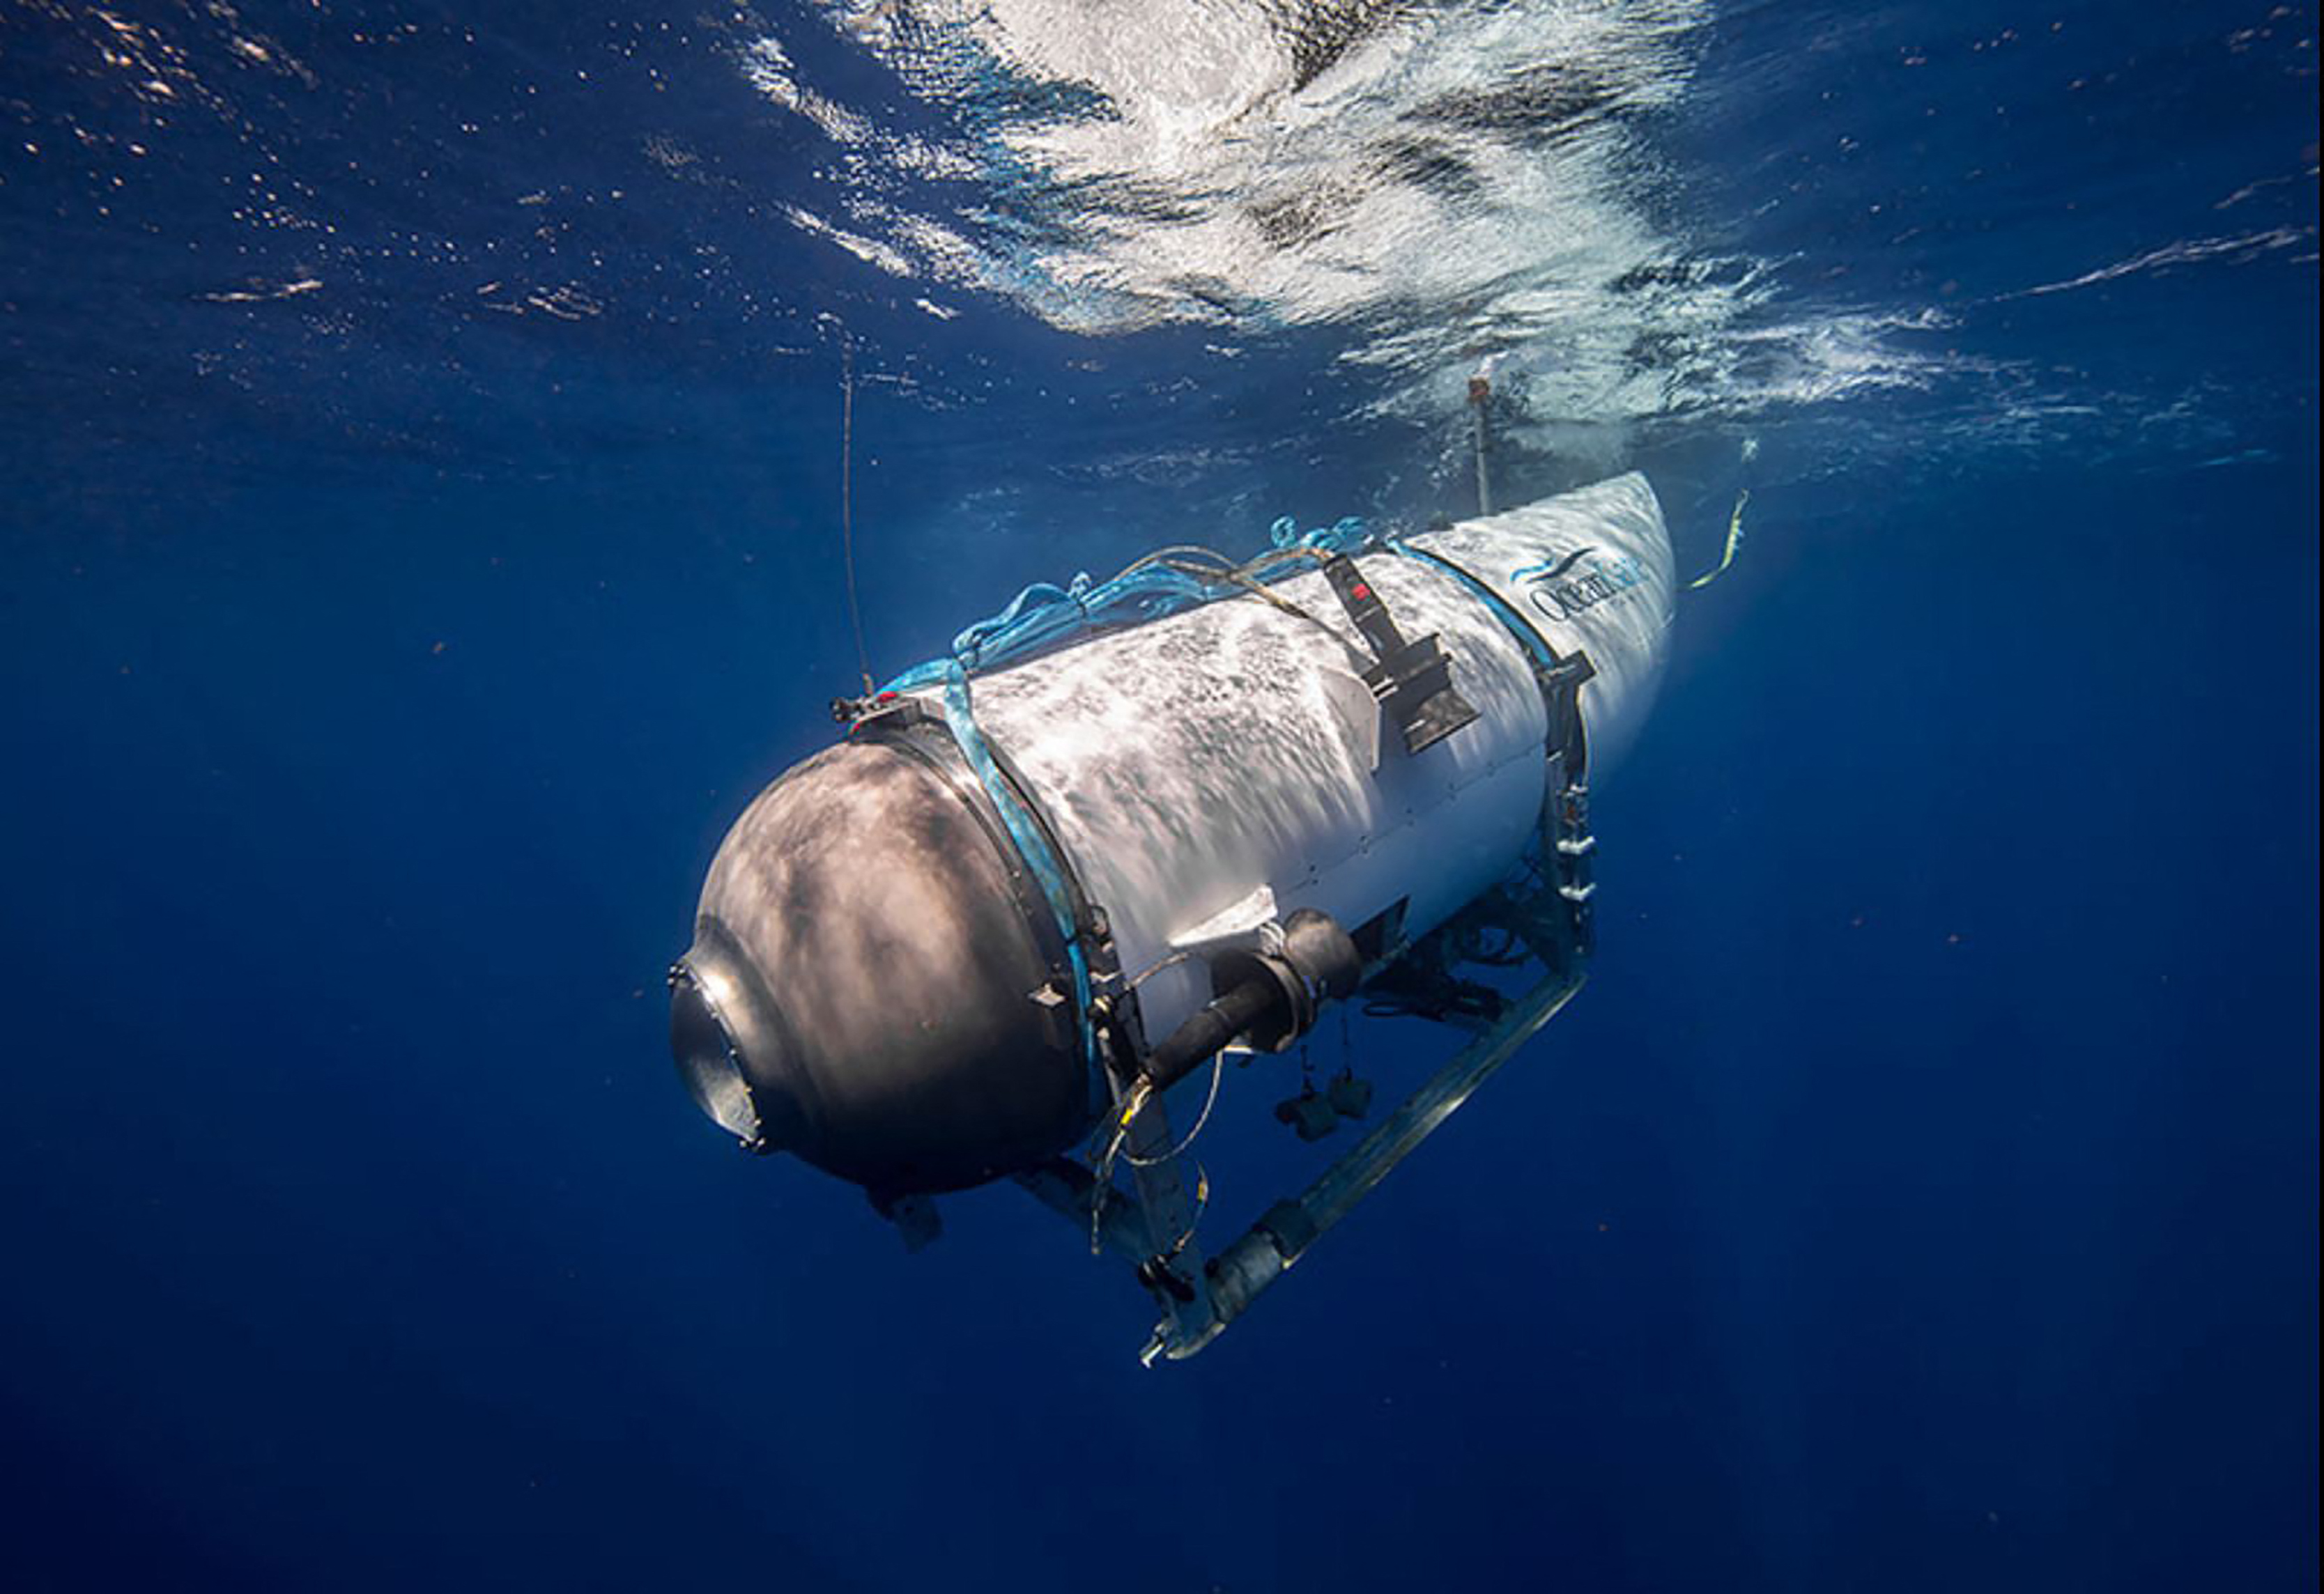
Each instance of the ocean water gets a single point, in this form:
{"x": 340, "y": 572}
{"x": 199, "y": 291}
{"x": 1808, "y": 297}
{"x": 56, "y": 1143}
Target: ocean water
{"x": 421, "y": 435}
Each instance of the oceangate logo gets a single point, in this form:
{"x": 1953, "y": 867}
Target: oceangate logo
{"x": 1562, "y": 588}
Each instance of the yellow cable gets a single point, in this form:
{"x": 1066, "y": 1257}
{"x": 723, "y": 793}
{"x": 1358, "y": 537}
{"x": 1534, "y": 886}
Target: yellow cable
{"x": 1734, "y": 541}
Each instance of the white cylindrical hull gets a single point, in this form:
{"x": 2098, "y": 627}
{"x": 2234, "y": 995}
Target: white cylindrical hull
{"x": 1227, "y": 764}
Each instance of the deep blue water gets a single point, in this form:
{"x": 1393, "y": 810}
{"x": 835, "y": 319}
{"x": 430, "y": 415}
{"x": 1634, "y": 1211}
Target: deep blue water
{"x": 420, "y": 438}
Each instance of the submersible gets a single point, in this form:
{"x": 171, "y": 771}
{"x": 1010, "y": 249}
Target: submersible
{"x": 1038, "y": 882}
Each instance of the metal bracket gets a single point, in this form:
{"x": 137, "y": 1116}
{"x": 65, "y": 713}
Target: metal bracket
{"x": 917, "y": 1222}
{"x": 1412, "y": 680}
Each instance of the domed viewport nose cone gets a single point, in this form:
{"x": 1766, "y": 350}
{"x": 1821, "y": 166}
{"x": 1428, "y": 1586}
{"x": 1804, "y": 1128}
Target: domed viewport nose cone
{"x": 717, "y": 1019}
{"x": 870, "y": 987}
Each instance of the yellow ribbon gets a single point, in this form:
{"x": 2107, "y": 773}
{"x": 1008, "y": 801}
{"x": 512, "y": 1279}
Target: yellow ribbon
{"x": 1734, "y": 541}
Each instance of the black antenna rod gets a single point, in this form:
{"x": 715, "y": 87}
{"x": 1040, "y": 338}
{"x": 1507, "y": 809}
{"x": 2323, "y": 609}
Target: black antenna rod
{"x": 847, "y": 499}
{"x": 1481, "y": 390}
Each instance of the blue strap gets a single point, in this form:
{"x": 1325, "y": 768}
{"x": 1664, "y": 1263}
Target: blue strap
{"x": 1031, "y": 844}
{"x": 1044, "y": 614}
{"x": 1518, "y": 626}
{"x": 1345, "y": 536}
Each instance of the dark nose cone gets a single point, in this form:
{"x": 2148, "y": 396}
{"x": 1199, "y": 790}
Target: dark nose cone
{"x": 869, "y": 986}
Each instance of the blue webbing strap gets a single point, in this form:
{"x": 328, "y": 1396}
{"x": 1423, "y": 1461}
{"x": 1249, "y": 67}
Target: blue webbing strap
{"x": 1031, "y": 844}
{"x": 1044, "y": 615}
{"x": 1544, "y": 656}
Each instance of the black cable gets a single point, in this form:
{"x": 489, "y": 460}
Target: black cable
{"x": 847, "y": 501}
